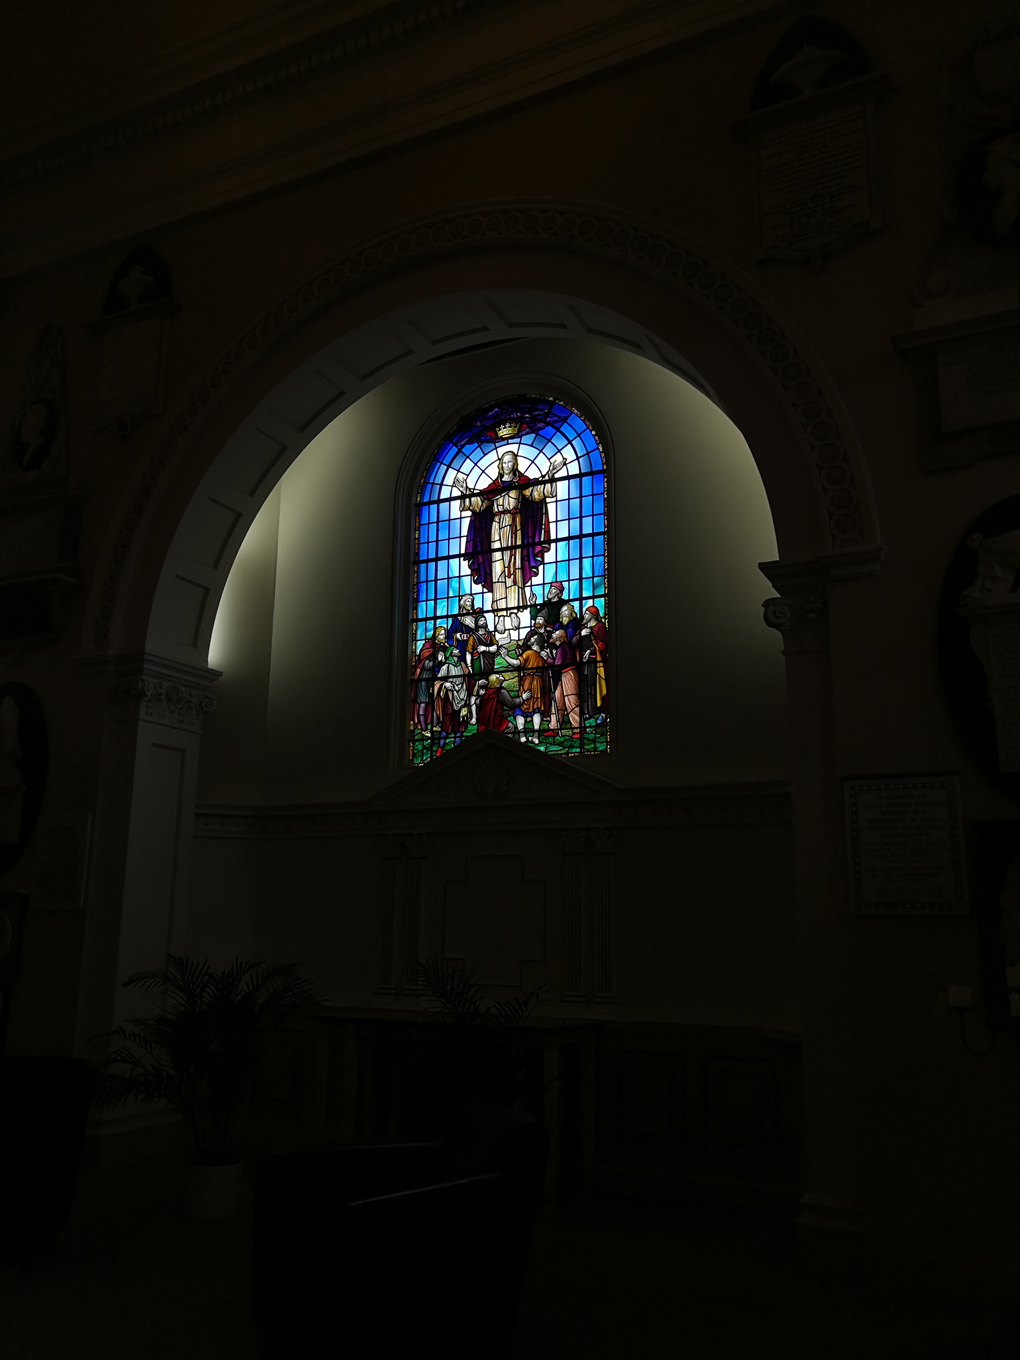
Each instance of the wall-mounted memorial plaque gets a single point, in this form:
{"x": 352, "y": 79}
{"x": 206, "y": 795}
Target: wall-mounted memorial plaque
{"x": 36, "y": 450}
{"x": 979, "y": 381}
{"x": 967, "y": 380}
{"x": 906, "y": 845}
{"x": 964, "y": 344}
{"x": 40, "y": 506}
{"x": 814, "y": 133}
{"x": 133, "y": 334}
{"x": 61, "y": 863}
{"x": 815, "y": 181}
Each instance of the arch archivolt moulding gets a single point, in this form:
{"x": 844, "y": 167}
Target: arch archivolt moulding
{"x": 254, "y": 458}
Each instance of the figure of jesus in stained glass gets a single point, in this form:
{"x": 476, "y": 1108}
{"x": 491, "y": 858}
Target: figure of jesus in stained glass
{"x": 508, "y": 535}
{"x": 509, "y": 628}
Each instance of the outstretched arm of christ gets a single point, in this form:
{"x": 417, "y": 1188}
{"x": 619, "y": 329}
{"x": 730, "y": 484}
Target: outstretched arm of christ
{"x": 546, "y": 490}
{"x": 536, "y": 491}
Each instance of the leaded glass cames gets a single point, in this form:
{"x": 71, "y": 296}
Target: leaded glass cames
{"x": 509, "y": 625}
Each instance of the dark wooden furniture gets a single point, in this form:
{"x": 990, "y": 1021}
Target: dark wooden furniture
{"x": 398, "y": 1249}
{"x": 43, "y": 1106}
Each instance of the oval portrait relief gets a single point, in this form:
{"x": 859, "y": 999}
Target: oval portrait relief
{"x": 988, "y": 188}
{"x": 979, "y": 643}
{"x": 23, "y": 761}
{"x": 35, "y": 433}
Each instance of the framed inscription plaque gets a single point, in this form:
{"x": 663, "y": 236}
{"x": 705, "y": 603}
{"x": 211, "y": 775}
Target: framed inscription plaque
{"x": 133, "y": 334}
{"x": 906, "y": 845}
{"x": 132, "y": 364}
{"x": 815, "y": 185}
{"x": 814, "y": 182}
{"x": 61, "y": 863}
{"x": 967, "y": 380}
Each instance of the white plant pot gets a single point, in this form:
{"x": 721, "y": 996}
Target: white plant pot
{"x": 214, "y": 1191}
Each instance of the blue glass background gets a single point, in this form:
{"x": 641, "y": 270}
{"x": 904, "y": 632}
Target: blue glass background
{"x": 577, "y": 517}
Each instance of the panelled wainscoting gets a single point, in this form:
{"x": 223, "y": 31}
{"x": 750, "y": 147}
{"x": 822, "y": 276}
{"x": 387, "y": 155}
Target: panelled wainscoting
{"x": 666, "y": 1057}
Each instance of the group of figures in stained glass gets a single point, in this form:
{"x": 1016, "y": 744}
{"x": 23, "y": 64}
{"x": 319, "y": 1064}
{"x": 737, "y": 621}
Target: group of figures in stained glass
{"x": 514, "y": 497}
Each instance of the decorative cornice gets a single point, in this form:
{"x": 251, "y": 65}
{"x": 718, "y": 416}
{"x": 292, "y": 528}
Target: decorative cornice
{"x": 934, "y": 340}
{"x": 801, "y": 612}
{"x": 615, "y": 235}
{"x": 542, "y": 45}
{"x": 490, "y": 769}
{"x": 815, "y": 573}
{"x": 166, "y": 701}
{"x": 152, "y": 689}
{"x": 325, "y": 54}
{"x": 859, "y": 91}
{"x": 577, "y": 817}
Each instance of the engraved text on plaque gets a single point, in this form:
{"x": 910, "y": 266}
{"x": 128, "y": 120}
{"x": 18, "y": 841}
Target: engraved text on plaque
{"x": 906, "y": 845}
{"x": 814, "y": 181}
{"x": 979, "y": 383}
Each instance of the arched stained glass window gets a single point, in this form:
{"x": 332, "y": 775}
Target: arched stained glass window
{"x": 509, "y": 626}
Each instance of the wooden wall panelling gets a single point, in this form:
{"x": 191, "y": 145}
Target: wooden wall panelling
{"x": 495, "y": 920}
{"x": 652, "y": 1102}
{"x": 274, "y": 1077}
{"x": 400, "y": 913}
{"x": 574, "y": 910}
{"x": 387, "y": 923}
{"x": 740, "y": 1108}
{"x": 699, "y": 1111}
{"x": 605, "y": 989}
{"x": 412, "y": 922}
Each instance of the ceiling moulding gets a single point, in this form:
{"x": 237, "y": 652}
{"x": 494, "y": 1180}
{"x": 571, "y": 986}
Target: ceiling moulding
{"x": 81, "y": 192}
{"x": 58, "y": 112}
{"x": 284, "y": 69}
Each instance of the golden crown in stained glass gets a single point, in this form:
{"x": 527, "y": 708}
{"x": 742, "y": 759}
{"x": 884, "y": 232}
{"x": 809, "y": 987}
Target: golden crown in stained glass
{"x": 507, "y": 428}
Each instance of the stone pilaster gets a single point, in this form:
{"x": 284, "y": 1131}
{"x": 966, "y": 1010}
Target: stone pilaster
{"x": 144, "y": 816}
{"x": 829, "y": 1220}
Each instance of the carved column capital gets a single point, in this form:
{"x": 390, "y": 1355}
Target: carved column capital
{"x": 590, "y": 840}
{"x": 149, "y": 688}
{"x": 404, "y": 845}
{"x": 800, "y": 611}
{"x": 162, "y": 699}
{"x": 801, "y": 618}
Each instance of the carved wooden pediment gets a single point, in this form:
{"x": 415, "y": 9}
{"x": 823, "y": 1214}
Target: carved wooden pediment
{"x": 489, "y": 768}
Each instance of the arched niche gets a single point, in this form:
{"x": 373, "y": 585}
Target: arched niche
{"x": 470, "y": 277}
{"x": 308, "y": 400}
{"x": 688, "y": 522}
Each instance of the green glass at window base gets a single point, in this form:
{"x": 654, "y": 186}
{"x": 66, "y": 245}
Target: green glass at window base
{"x": 594, "y": 740}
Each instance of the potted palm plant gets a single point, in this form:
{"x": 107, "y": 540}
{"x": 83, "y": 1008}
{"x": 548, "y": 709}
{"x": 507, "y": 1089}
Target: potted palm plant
{"x": 481, "y": 1043}
{"x": 196, "y": 1053}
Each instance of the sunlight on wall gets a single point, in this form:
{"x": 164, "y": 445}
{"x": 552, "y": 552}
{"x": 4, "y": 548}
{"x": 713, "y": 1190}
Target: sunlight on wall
{"x": 308, "y": 612}
{"x": 244, "y": 596}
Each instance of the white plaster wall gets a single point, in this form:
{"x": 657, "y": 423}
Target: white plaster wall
{"x": 303, "y": 634}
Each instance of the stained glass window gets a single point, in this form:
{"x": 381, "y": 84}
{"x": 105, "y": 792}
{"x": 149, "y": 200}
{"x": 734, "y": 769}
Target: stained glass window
{"x": 509, "y": 625}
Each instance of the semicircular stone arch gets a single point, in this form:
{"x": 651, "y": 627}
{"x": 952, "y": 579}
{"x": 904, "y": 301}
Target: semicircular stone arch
{"x": 253, "y": 459}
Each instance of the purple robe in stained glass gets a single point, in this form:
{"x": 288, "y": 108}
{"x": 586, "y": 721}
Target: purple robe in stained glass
{"x": 535, "y": 535}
